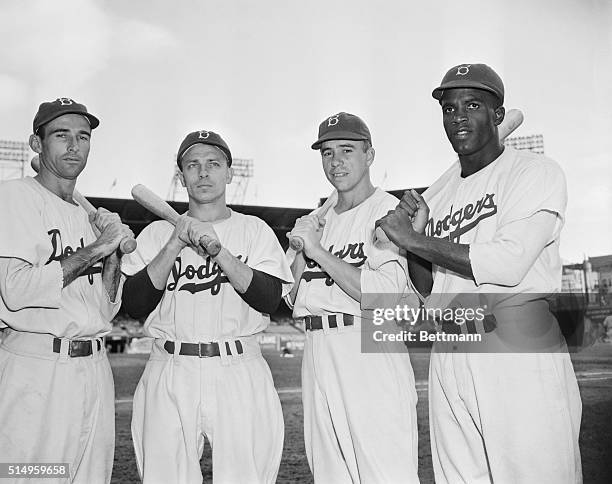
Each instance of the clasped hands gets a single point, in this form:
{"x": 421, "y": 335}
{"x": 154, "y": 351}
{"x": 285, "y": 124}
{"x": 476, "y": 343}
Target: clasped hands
{"x": 194, "y": 233}
{"x": 409, "y": 218}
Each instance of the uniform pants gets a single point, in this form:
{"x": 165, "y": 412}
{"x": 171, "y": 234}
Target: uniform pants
{"x": 229, "y": 399}
{"x": 56, "y": 409}
{"x": 504, "y": 418}
{"x": 360, "y": 422}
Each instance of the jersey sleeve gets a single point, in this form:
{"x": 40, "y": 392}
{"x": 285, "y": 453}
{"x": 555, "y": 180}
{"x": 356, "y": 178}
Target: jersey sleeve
{"x": 537, "y": 184}
{"x": 150, "y": 241}
{"x": 531, "y": 215}
{"x": 506, "y": 259}
{"x": 27, "y": 279}
{"x": 385, "y": 272}
{"x": 266, "y": 255}
{"x": 108, "y": 308}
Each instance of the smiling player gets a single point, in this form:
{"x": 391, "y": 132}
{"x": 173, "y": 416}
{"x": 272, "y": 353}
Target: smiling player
{"x": 359, "y": 409}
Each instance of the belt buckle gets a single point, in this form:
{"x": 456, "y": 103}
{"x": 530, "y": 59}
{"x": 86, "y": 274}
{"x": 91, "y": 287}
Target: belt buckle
{"x": 209, "y": 349}
{"x": 76, "y": 348}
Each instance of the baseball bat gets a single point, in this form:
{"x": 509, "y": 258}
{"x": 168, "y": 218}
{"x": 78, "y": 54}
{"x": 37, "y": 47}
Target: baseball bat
{"x": 127, "y": 244}
{"x": 296, "y": 243}
{"x": 161, "y": 208}
{"x": 513, "y": 119}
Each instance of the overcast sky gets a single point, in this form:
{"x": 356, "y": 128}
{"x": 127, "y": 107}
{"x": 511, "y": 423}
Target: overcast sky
{"x": 265, "y": 73}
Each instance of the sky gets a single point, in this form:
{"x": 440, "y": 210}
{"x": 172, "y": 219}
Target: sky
{"x": 264, "y": 75}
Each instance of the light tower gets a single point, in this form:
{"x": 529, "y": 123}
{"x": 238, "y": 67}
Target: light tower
{"x": 13, "y": 158}
{"x": 534, "y": 143}
{"x": 243, "y": 172}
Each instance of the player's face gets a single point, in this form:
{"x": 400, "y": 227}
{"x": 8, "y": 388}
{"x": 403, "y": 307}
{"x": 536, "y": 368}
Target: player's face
{"x": 346, "y": 164}
{"x": 65, "y": 146}
{"x": 205, "y": 173}
{"x": 470, "y": 118}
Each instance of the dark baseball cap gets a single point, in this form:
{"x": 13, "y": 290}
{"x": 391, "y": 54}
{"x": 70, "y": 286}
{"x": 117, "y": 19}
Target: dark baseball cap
{"x": 206, "y": 138}
{"x": 48, "y": 111}
{"x": 477, "y": 76}
{"x": 342, "y": 126}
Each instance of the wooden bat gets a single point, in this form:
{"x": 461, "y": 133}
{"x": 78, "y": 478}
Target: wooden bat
{"x": 296, "y": 243}
{"x": 127, "y": 244}
{"x": 161, "y": 208}
{"x": 513, "y": 119}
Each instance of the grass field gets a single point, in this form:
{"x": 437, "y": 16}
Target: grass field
{"x": 593, "y": 368}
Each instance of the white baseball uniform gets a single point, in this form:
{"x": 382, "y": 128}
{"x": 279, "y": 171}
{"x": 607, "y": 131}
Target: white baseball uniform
{"x": 53, "y": 407}
{"x": 231, "y": 398}
{"x": 498, "y": 416}
{"x": 359, "y": 409}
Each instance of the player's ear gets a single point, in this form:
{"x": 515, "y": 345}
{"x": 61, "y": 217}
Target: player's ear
{"x": 230, "y": 175}
{"x": 500, "y": 114}
{"x": 370, "y": 154}
{"x": 35, "y": 143}
{"x": 181, "y": 177}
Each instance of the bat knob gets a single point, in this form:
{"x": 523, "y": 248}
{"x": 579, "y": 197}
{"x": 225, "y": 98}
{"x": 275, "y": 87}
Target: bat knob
{"x": 128, "y": 245}
{"x": 296, "y": 243}
{"x": 210, "y": 245}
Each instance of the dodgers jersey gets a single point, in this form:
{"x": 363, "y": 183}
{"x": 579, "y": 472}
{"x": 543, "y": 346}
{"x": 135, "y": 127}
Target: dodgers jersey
{"x": 476, "y": 210}
{"x": 39, "y": 229}
{"x": 199, "y": 303}
{"x": 350, "y": 236}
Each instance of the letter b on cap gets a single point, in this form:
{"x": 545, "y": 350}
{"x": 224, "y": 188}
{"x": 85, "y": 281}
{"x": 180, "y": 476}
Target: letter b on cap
{"x": 65, "y": 101}
{"x": 203, "y": 134}
{"x": 333, "y": 121}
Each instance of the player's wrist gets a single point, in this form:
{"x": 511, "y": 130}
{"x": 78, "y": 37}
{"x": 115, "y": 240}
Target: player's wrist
{"x": 175, "y": 244}
{"x": 97, "y": 250}
{"x": 316, "y": 252}
{"x": 221, "y": 255}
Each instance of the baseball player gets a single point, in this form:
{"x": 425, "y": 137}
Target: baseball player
{"x": 359, "y": 409}
{"x": 60, "y": 288}
{"x": 490, "y": 228}
{"x": 206, "y": 376}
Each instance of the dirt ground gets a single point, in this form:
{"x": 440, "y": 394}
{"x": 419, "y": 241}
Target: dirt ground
{"x": 593, "y": 368}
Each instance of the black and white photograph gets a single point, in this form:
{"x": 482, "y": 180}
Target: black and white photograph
{"x": 329, "y": 242}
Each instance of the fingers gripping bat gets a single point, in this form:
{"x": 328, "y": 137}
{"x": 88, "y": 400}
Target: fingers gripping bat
{"x": 161, "y": 208}
{"x": 127, "y": 244}
{"x": 296, "y": 243}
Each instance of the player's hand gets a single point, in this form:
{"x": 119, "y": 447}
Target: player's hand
{"x": 180, "y": 235}
{"x": 111, "y": 236}
{"x": 417, "y": 209}
{"x": 397, "y": 224}
{"x": 310, "y": 229}
{"x": 102, "y": 217}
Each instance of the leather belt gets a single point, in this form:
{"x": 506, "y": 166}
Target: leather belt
{"x": 489, "y": 324}
{"x": 77, "y": 347}
{"x": 313, "y": 323}
{"x": 202, "y": 350}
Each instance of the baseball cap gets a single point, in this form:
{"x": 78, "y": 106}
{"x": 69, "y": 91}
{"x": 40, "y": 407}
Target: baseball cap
{"x": 48, "y": 111}
{"x": 342, "y": 126}
{"x": 477, "y": 76}
{"x": 205, "y": 138}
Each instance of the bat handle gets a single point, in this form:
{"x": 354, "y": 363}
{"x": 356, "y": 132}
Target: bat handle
{"x": 127, "y": 245}
{"x": 210, "y": 245}
{"x": 296, "y": 243}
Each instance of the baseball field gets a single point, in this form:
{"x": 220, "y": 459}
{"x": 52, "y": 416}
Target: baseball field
{"x": 593, "y": 368}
